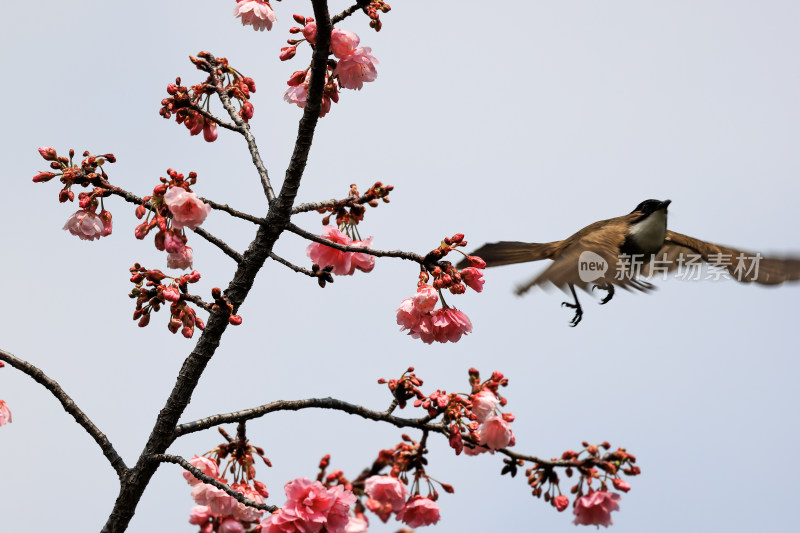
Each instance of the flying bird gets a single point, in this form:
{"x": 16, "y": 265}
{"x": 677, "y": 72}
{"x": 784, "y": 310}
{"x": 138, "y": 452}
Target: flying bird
{"x": 622, "y": 251}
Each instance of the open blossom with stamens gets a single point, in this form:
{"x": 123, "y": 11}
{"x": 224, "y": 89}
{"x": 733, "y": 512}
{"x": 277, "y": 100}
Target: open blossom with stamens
{"x": 357, "y": 68}
{"x": 594, "y": 509}
{"x": 186, "y": 208}
{"x": 442, "y": 325}
{"x": 255, "y": 13}
{"x": 419, "y": 512}
{"x": 5, "y": 413}
{"x": 343, "y": 263}
{"x": 385, "y": 495}
{"x": 86, "y": 225}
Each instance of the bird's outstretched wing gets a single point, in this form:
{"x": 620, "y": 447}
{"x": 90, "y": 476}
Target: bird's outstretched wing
{"x": 742, "y": 266}
{"x": 510, "y": 252}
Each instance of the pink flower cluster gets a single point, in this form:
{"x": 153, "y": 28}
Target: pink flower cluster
{"x": 355, "y": 66}
{"x": 494, "y": 431}
{"x": 310, "y": 508}
{"x": 87, "y": 225}
{"x": 217, "y": 508}
{"x": 594, "y": 509}
{"x": 343, "y": 263}
{"x": 445, "y": 324}
{"x": 387, "y": 495}
{"x": 256, "y": 13}
{"x": 5, "y": 413}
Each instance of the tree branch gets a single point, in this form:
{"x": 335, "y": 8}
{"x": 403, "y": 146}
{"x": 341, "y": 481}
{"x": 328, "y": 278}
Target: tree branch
{"x": 219, "y": 243}
{"x": 311, "y": 403}
{"x": 70, "y": 407}
{"x": 315, "y": 206}
{"x": 299, "y": 270}
{"x": 244, "y": 129}
{"x": 349, "y": 11}
{"x": 216, "y": 120}
{"x": 233, "y": 212}
{"x": 196, "y": 472}
{"x": 410, "y": 256}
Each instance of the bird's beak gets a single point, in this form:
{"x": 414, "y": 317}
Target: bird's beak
{"x": 665, "y": 203}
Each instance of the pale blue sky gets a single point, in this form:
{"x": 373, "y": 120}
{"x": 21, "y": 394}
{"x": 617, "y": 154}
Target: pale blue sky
{"x": 525, "y": 122}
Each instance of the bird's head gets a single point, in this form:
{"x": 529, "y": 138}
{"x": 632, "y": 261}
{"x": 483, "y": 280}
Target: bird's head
{"x": 651, "y": 206}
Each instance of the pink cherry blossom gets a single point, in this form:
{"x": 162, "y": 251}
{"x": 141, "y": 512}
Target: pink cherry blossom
{"x": 419, "y": 512}
{"x": 450, "y": 324}
{"x": 86, "y": 225}
{"x": 310, "y": 32}
{"x": 357, "y": 68}
{"x": 186, "y": 208}
{"x": 473, "y": 278}
{"x": 182, "y": 259}
{"x": 594, "y": 509}
{"x": 310, "y": 507}
{"x": 483, "y": 404}
{"x": 343, "y": 263}
{"x": 343, "y": 42}
{"x": 205, "y": 465}
{"x": 219, "y": 501}
{"x": 495, "y": 433}
{"x": 199, "y": 515}
{"x": 231, "y": 525}
{"x": 5, "y": 413}
{"x": 173, "y": 241}
{"x": 255, "y": 13}
{"x": 477, "y": 450}
{"x": 425, "y": 299}
{"x": 407, "y": 315}
{"x": 297, "y": 94}
{"x": 386, "y": 494}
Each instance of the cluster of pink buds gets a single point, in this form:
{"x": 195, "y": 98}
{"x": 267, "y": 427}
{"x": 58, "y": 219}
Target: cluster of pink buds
{"x": 352, "y": 67}
{"x": 217, "y": 511}
{"x": 85, "y": 223}
{"x": 150, "y": 294}
{"x": 351, "y": 210}
{"x": 255, "y": 13}
{"x": 221, "y": 303}
{"x": 186, "y": 103}
{"x": 446, "y": 324}
{"x": 374, "y": 10}
{"x": 592, "y": 506}
{"x": 172, "y": 207}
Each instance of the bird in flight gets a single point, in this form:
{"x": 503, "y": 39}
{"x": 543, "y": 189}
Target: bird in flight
{"x": 622, "y": 251}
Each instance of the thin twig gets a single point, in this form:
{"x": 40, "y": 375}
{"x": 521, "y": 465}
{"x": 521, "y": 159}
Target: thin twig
{"x": 349, "y": 11}
{"x": 244, "y": 129}
{"x": 217, "y": 120}
{"x": 70, "y": 407}
{"x": 294, "y": 267}
{"x": 233, "y": 212}
{"x": 196, "y": 472}
{"x": 219, "y": 243}
{"x": 196, "y": 300}
{"x": 315, "y": 206}
{"x": 410, "y": 256}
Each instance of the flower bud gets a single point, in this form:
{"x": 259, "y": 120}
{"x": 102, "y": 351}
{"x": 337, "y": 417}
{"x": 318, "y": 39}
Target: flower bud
{"x": 48, "y": 153}
{"x": 234, "y": 320}
{"x": 42, "y": 177}
{"x": 288, "y": 52}
{"x": 561, "y": 502}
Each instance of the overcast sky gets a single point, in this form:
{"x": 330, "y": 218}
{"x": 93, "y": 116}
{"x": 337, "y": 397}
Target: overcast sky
{"x": 525, "y": 121}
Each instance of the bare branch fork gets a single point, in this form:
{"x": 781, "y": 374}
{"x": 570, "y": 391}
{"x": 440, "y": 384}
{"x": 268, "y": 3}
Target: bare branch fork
{"x": 70, "y": 407}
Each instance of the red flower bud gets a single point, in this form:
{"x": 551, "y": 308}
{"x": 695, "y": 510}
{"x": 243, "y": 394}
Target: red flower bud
{"x": 48, "y": 153}
{"x": 300, "y": 19}
{"x": 144, "y": 320}
{"x": 288, "y": 52}
{"x": 476, "y": 261}
{"x": 561, "y": 502}
{"x": 41, "y": 177}
{"x": 140, "y": 211}
{"x": 621, "y": 485}
{"x": 234, "y": 320}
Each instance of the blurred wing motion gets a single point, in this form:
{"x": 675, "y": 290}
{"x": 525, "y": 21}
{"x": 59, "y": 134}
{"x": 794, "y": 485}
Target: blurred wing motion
{"x": 745, "y": 267}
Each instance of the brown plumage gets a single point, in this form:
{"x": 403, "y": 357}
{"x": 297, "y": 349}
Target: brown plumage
{"x": 643, "y": 231}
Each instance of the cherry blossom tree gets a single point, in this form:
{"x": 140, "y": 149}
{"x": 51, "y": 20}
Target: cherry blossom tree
{"x": 226, "y": 478}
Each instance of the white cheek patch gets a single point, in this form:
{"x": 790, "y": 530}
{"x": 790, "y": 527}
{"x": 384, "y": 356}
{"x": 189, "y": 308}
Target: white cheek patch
{"x": 649, "y": 233}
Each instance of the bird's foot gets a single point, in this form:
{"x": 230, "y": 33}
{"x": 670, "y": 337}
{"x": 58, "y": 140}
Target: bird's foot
{"x": 578, "y": 312}
{"x": 609, "y": 288}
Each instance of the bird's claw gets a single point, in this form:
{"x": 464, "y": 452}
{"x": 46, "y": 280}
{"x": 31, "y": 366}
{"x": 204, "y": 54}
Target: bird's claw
{"x": 578, "y": 313}
{"x": 609, "y": 287}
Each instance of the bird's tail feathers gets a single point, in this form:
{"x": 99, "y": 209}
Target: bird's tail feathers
{"x": 511, "y": 252}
